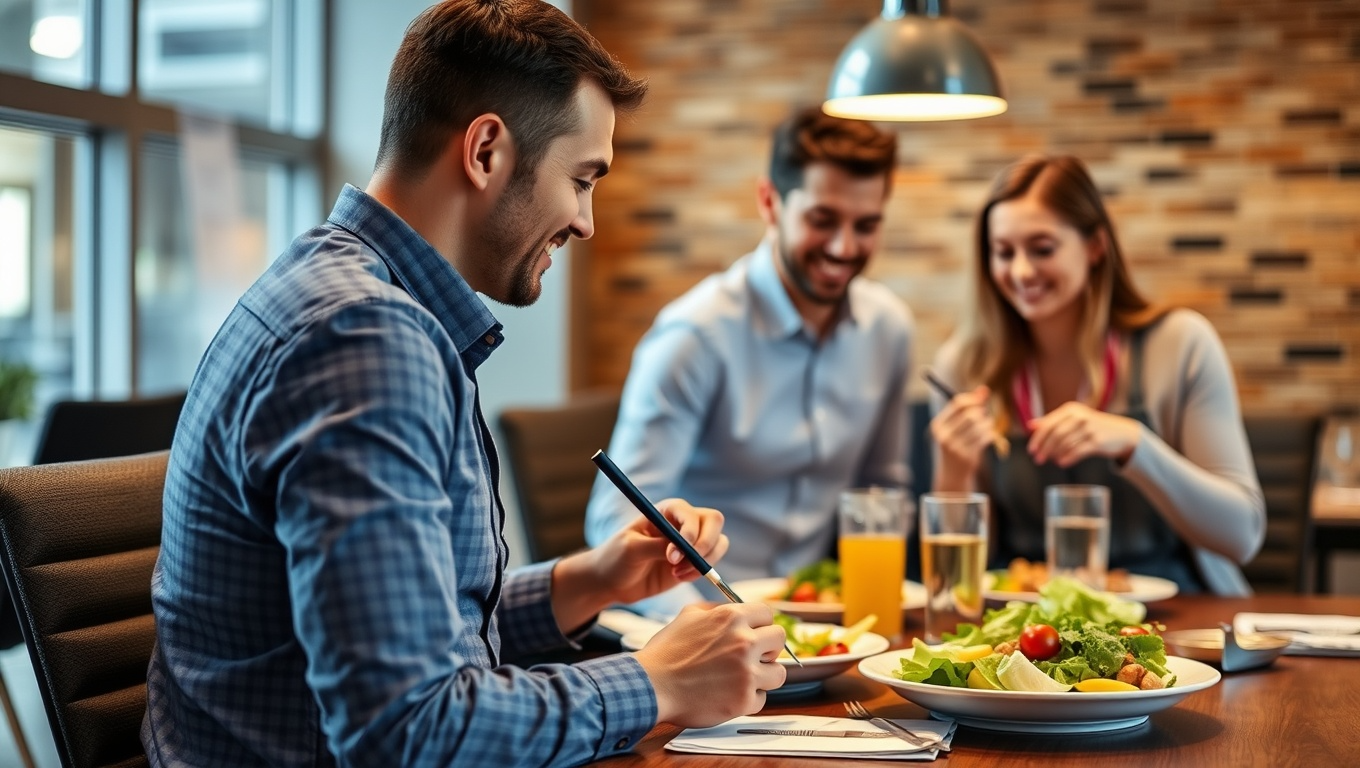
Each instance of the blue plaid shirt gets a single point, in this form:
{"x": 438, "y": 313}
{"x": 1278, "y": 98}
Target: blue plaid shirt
{"x": 331, "y": 587}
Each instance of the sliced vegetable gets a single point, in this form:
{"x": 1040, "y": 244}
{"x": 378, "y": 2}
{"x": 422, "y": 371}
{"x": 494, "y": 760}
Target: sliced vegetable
{"x": 978, "y": 680}
{"x": 856, "y": 630}
{"x": 1018, "y": 673}
{"x": 1103, "y": 685}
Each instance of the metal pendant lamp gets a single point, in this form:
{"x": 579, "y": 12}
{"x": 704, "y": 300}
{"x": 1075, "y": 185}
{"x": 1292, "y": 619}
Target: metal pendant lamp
{"x": 914, "y": 66}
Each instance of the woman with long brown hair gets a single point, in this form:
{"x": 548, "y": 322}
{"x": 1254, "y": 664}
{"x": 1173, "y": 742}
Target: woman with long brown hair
{"x": 1067, "y": 374}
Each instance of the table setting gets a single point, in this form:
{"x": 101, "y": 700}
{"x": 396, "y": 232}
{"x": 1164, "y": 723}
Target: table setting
{"x": 1183, "y": 679}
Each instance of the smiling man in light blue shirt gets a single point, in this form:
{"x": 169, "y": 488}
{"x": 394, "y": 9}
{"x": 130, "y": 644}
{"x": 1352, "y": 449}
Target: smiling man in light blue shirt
{"x": 769, "y": 388}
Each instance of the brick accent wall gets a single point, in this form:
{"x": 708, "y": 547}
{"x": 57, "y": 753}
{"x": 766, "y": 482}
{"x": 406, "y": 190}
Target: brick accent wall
{"x": 1225, "y": 133}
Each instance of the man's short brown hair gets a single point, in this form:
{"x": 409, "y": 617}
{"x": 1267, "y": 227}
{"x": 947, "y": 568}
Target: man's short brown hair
{"x": 520, "y": 59}
{"x": 812, "y": 136}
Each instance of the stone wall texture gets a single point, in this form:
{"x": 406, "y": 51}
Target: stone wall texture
{"x": 1225, "y": 134}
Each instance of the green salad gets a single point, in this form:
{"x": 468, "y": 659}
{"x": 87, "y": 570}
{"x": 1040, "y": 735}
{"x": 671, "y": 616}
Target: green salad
{"x": 1073, "y": 637}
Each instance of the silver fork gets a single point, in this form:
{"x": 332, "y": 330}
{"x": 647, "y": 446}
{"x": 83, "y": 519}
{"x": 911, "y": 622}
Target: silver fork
{"x": 857, "y": 711}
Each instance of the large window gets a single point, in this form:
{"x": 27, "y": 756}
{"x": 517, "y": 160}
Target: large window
{"x": 37, "y": 246}
{"x": 45, "y": 39}
{"x": 124, "y": 240}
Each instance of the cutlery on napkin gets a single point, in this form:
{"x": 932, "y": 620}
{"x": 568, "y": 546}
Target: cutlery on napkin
{"x": 1309, "y": 635}
{"x": 735, "y": 737}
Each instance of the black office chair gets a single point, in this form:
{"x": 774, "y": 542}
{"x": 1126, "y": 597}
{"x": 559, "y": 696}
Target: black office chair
{"x": 549, "y": 451}
{"x": 78, "y": 542}
{"x": 1284, "y": 449}
{"x": 76, "y": 430}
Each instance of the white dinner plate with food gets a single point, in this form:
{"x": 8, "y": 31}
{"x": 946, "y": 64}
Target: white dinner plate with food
{"x": 1143, "y": 589}
{"x": 808, "y": 677}
{"x": 771, "y": 592}
{"x": 1027, "y": 712}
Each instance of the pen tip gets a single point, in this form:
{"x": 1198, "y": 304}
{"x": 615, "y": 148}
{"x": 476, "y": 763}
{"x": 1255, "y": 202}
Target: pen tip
{"x": 597, "y": 453}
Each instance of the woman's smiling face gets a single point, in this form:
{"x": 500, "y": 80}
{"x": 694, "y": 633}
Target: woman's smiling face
{"x": 1040, "y": 263}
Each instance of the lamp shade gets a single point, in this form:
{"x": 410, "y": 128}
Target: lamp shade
{"x": 914, "y": 67}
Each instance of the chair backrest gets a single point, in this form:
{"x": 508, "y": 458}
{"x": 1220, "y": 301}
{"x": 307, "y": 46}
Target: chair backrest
{"x": 549, "y": 451}
{"x": 76, "y": 430}
{"x": 1284, "y": 449}
{"x": 78, "y": 542}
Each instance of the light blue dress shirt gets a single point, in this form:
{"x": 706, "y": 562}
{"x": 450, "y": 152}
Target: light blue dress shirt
{"x": 733, "y": 403}
{"x": 331, "y": 587}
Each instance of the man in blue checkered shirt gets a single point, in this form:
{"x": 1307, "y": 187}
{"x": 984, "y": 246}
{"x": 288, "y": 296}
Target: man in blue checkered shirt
{"x": 331, "y": 588}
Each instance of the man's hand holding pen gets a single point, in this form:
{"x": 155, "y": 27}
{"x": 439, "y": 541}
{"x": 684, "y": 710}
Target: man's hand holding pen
{"x": 639, "y": 561}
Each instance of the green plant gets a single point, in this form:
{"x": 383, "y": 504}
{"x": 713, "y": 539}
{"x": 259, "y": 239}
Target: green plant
{"x": 17, "y": 382}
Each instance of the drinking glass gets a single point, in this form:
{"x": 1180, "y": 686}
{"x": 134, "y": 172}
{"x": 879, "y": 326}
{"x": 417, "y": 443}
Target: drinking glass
{"x": 953, "y": 559}
{"x": 873, "y": 553}
{"x": 1077, "y": 532}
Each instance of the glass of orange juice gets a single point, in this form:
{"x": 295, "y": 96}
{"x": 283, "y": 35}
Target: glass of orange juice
{"x": 873, "y": 554}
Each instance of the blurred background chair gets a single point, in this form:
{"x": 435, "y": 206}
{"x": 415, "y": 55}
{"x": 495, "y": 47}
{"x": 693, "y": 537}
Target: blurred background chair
{"x": 549, "y": 451}
{"x": 76, "y": 430}
{"x": 1284, "y": 449}
{"x": 79, "y": 541}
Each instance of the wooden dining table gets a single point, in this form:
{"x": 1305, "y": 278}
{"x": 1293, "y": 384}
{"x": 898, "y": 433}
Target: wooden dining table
{"x": 1301, "y": 710}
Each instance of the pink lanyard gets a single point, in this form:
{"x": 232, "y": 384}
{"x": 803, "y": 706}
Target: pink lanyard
{"x": 1025, "y": 384}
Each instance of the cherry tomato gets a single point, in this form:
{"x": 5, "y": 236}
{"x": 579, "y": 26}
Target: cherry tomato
{"x": 805, "y": 592}
{"x": 1131, "y": 631}
{"x": 832, "y": 649}
{"x": 1039, "y": 642}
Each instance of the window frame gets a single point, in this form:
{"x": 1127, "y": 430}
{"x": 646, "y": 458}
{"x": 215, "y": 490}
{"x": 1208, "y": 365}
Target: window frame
{"x": 113, "y": 121}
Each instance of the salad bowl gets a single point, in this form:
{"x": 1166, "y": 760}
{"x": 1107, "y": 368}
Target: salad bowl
{"x": 1028, "y": 712}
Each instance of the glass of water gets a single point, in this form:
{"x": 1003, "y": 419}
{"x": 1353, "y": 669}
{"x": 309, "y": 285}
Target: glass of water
{"x": 1077, "y": 532}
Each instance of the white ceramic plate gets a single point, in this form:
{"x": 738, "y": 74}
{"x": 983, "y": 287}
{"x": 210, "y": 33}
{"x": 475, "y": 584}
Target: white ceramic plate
{"x": 1024, "y": 712}
{"x": 771, "y": 591}
{"x": 1144, "y": 589}
{"x": 813, "y": 669}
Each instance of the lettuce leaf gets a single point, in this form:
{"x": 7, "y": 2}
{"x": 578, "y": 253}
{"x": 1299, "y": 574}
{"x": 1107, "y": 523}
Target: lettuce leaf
{"x": 936, "y": 667}
{"x": 1066, "y": 597}
{"x": 986, "y": 666}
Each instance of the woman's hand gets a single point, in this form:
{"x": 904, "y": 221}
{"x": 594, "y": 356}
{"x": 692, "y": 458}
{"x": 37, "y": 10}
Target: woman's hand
{"x": 1074, "y": 431}
{"x": 963, "y": 429}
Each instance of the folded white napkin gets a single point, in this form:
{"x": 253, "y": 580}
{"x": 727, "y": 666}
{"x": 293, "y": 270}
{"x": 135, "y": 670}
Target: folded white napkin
{"x": 1308, "y": 635}
{"x": 724, "y": 739}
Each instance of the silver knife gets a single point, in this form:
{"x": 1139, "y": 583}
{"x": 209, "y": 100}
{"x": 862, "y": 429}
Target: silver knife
{"x": 838, "y": 734}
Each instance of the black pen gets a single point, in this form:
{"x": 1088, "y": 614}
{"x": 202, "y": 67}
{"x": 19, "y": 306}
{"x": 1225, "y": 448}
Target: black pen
{"x": 1003, "y": 446}
{"x": 649, "y": 511}
{"x": 942, "y": 388}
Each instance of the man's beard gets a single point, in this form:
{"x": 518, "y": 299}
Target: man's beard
{"x": 511, "y": 215}
{"x": 803, "y": 282}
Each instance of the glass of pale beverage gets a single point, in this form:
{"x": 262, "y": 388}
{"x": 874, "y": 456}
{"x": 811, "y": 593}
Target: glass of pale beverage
{"x": 953, "y": 559}
{"x": 873, "y": 554}
{"x": 1077, "y": 532}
